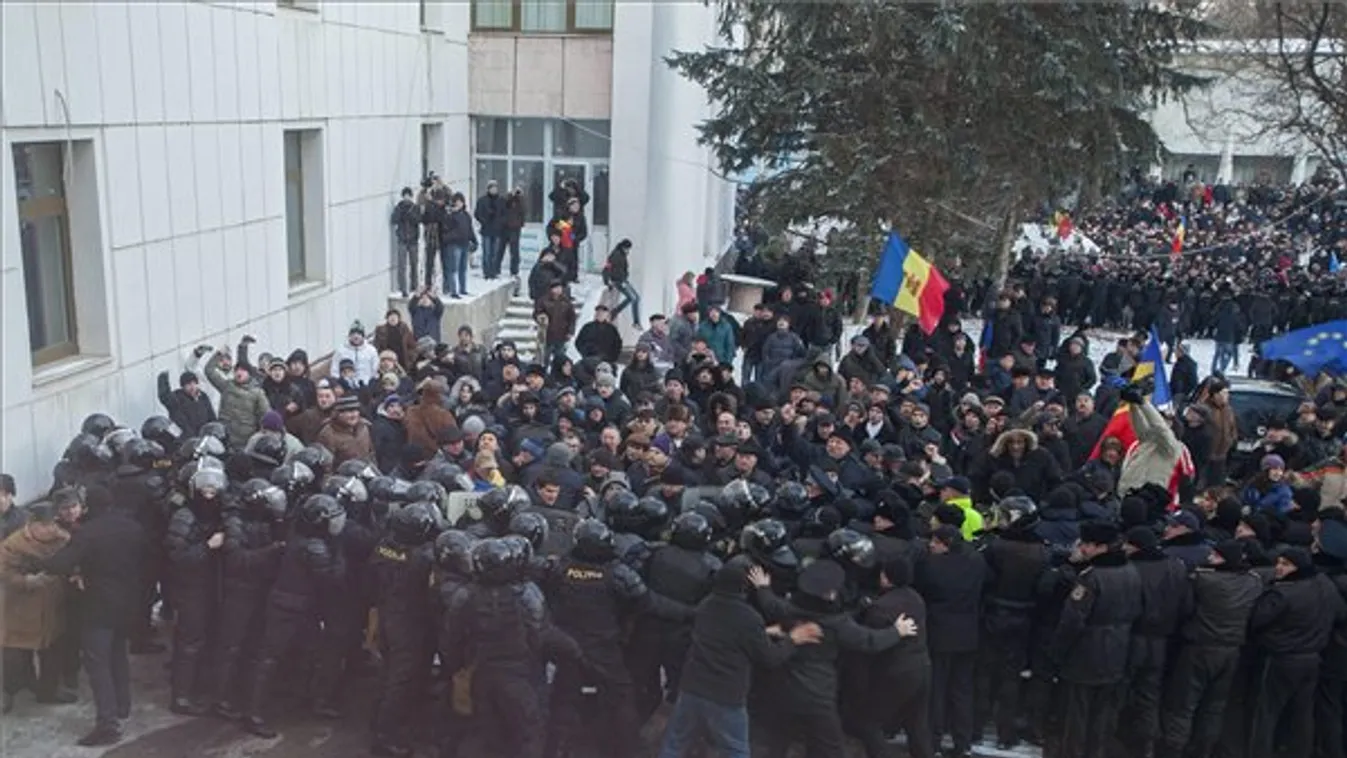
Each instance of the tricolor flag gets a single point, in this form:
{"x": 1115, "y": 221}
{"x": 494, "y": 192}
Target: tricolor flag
{"x": 910, "y": 283}
{"x": 1151, "y": 362}
{"x": 1179, "y": 234}
{"x": 1064, "y": 225}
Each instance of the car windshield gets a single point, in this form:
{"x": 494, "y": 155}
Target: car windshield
{"x": 1253, "y": 411}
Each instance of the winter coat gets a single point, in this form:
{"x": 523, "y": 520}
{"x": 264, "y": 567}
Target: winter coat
{"x": 951, "y": 585}
{"x": 1272, "y": 499}
{"x": 542, "y": 275}
{"x": 681, "y": 333}
{"x": 399, "y": 339}
{"x": 33, "y": 602}
{"x": 1224, "y": 430}
{"x": 427, "y": 418}
{"x": 390, "y": 439}
{"x": 719, "y": 335}
{"x": 515, "y": 215}
{"x": 365, "y": 358}
{"x": 406, "y": 221}
{"x": 829, "y": 386}
{"x": 780, "y": 346}
{"x": 1036, "y": 473}
{"x": 1183, "y": 377}
{"x": 617, "y": 269}
{"x": 865, "y": 365}
{"x": 458, "y": 230}
{"x": 470, "y": 360}
{"x": 1082, "y": 435}
{"x": 241, "y": 405}
{"x": 1074, "y": 374}
{"x": 490, "y": 213}
{"x": 599, "y": 340}
{"x": 753, "y": 334}
{"x": 347, "y": 444}
{"x": 560, "y": 317}
{"x": 189, "y": 413}
{"x": 109, "y": 551}
{"x": 1152, "y": 458}
{"x": 425, "y": 318}
{"x": 638, "y": 378}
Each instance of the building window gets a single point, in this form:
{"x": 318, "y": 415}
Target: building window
{"x": 535, "y": 154}
{"x": 543, "y": 16}
{"x": 304, "y": 204}
{"x": 44, "y": 233}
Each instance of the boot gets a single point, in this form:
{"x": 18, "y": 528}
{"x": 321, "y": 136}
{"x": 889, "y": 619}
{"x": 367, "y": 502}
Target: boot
{"x": 257, "y": 695}
{"x": 226, "y": 674}
{"x": 103, "y": 734}
{"x": 185, "y": 707}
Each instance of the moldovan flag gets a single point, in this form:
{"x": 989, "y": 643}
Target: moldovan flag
{"x": 1179, "y": 234}
{"x": 910, "y": 283}
{"x": 1064, "y": 225}
{"x": 1120, "y": 426}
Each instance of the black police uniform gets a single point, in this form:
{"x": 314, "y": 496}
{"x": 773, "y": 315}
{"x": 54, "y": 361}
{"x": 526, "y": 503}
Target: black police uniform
{"x": 1291, "y": 624}
{"x": 1166, "y": 598}
{"x": 309, "y": 588}
{"x": 399, "y": 579}
{"x": 143, "y": 492}
{"x": 591, "y": 597}
{"x": 1207, "y": 659}
{"x": 253, "y": 545}
{"x": 1092, "y": 641}
{"x": 685, "y": 576}
{"x": 1016, "y": 559}
{"x": 196, "y": 580}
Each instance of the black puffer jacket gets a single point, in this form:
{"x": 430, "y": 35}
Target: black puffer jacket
{"x": 1223, "y": 598}
{"x": 951, "y": 583}
{"x": 1094, "y": 634}
{"x": 1296, "y": 615}
{"x": 1166, "y": 595}
{"x": 252, "y": 553}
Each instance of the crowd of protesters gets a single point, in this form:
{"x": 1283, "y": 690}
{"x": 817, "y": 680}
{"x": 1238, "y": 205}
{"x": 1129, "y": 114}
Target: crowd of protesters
{"x": 931, "y": 536}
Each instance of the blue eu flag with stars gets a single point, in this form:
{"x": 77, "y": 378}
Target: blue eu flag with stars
{"x": 1321, "y": 347}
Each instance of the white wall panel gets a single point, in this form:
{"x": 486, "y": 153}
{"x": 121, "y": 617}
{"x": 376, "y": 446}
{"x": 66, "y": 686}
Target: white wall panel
{"x": 231, "y": 174}
{"x": 226, "y": 62}
{"x": 250, "y": 73}
{"x": 268, "y": 56}
{"x": 182, "y": 186}
{"x": 51, "y": 57}
{"x": 132, "y": 303}
{"x": 201, "y": 43}
{"x": 160, "y": 278}
{"x": 177, "y": 68}
{"x": 235, "y": 276}
{"x": 152, "y": 152}
{"x": 187, "y": 290}
{"x": 273, "y": 173}
{"x": 206, "y": 146}
{"x": 255, "y": 250}
{"x": 123, "y": 186}
{"x": 214, "y": 297}
{"x": 22, "y": 69}
{"x": 147, "y": 61}
{"x": 253, "y": 170}
{"x": 83, "y": 94}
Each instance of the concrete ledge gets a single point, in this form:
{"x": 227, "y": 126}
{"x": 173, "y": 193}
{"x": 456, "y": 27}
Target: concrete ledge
{"x": 482, "y": 311}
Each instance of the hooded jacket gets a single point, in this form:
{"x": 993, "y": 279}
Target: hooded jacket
{"x": 241, "y": 405}
{"x": 427, "y": 418}
{"x": 1036, "y": 472}
{"x": 829, "y": 385}
{"x": 1152, "y": 458}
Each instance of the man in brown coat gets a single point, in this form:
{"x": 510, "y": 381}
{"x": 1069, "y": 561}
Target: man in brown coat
{"x": 428, "y": 416}
{"x": 307, "y": 423}
{"x": 33, "y": 605}
{"x": 560, "y": 323}
{"x": 346, "y": 434}
{"x": 394, "y": 334}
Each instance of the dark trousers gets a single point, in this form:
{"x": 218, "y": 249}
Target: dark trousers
{"x": 196, "y": 617}
{"x": 510, "y": 244}
{"x": 491, "y": 252}
{"x": 1091, "y": 719}
{"x": 1285, "y": 688}
{"x": 405, "y": 648}
{"x": 20, "y": 674}
{"x": 1235, "y": 724}
{"x": 284, "y": 628}
{"x": 508, "y": 706}
{"x": 598, "y": 712}
{"x": 1328, "y": 714}
{"x": 242, "y": 615}
{"x": 408, "y": 257}
{"x": 952, "y": 698}
{"x": 906, "y": 705}
{"x": 1196, "y": 696}
{"x": 1005, "y": 654}
{"x": 1141, "y": 709}
{"x": 109, "y": 670}
{"x": 818, "y": 729}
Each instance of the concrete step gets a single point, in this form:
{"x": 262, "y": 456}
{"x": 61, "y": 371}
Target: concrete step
{"x": 519, "y": 311}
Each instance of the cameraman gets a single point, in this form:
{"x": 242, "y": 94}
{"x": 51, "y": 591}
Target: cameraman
{"x": 562, "y": 194}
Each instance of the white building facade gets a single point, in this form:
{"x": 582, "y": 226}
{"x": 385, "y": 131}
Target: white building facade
{"x": 183, "y": 173}
{"x": 1220, "y": 131}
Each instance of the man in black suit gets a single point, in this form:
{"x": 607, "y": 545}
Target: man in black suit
{"x": 104, "y": 559}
